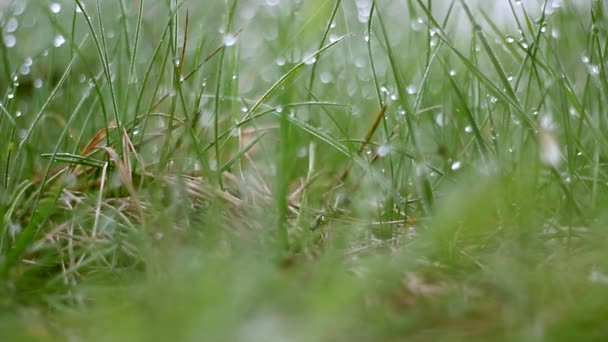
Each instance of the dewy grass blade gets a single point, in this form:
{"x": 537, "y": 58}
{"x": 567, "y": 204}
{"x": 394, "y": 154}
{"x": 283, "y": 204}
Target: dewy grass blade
{"x": 330, "y": 22}
{"x": 290, "y": 73}
{"x": 50, "y": 98}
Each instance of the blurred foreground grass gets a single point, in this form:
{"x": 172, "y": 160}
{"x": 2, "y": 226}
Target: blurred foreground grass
{"x": 303, "y": 170}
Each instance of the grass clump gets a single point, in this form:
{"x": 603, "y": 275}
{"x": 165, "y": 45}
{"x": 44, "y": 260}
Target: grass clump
{"x": 290, "y": 170}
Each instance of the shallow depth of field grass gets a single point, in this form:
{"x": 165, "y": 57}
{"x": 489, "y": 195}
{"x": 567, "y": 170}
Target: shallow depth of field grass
{"x": 269, "y": 170}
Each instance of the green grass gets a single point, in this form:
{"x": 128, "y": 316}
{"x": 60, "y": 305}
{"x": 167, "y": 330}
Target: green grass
{"x": 312, "y": 170}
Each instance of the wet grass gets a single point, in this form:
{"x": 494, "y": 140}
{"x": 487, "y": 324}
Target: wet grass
{"x": 303, "y": 170}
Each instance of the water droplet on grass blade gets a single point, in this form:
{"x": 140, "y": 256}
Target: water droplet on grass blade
{"x": 11, "y": 25}
{"x": 55, "y": 7}
{"x": 310, "y": 59}
{"x": 229, "y": 39}
{"x": 58, "y": 41}
{"x": 549, "y": 149}
{"x": 457, "y": 165}
{"x": 9, "y": 40}
{"x": 326, "y": 77}
{"x": 383, "y": 150}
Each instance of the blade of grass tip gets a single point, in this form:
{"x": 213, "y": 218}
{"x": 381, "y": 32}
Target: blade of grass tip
{"x": 330, "y": 21}
{"x": 370, "y": 54}
{"x": 99, "y": 199}
{"x": 125, "y": 30}
{"x": 242, "y": 152}
{"x": 144, "y": 86}
{"x": 131, "y": 78}
{"x": 140, "y": 17}
{"x": 290, "y": 73}
{"x": 47, "y": 102}
{"x": 100, "y": 46}
{"x": 182, "y": 58}
{"x": 202, "y": 83}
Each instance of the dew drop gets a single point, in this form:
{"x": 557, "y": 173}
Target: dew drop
{"x": 383, "y": 150}
{"x": 456, "y": 165}
{"x": 229, "y": 39}
{"x": 310, "y": 59}
{"x": 55, "y": 7}
{"x": 9, "y": 40}
{"x": 11, "y": 25}
{"x": 594, "y": 69}
{"x": 441, "y": 120}
{"x": 549, "y": 149}
{"x": 58, "y": 41}
{"x": 326, "y": 77}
